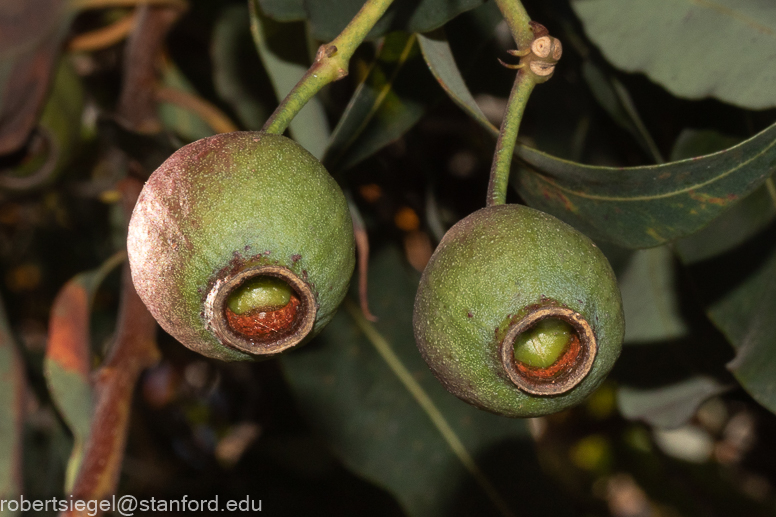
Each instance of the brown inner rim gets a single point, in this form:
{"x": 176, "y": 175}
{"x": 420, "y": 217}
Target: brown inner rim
{"x": 260, "y": 344}
{"x": 568, "y": 371}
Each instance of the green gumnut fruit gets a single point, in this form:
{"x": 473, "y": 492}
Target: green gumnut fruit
{"x": 518, "y": 313}
{"x": 241, "y": 245}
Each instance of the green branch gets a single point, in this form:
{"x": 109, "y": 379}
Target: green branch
{"x": 331, "y": 64}
{"x": 518, "y": 21}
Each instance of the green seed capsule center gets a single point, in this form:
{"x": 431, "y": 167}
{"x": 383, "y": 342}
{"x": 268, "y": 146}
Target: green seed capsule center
{"x": 544, "y": 343}
{"x": 262, "y": 293}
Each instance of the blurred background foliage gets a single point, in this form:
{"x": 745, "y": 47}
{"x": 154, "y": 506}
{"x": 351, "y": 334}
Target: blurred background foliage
{"x": 95, "y": 94}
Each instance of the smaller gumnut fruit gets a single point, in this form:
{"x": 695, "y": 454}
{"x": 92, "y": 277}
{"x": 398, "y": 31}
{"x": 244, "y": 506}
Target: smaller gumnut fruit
{"x": 518, "y": 313}
{"x": 241, "y": 245}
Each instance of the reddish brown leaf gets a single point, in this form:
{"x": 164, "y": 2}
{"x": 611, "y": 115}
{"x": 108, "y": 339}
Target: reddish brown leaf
{"x": 68, "y": 358}
{"x": 68, "y": 343}
{"x": 133, "y": 350}
{"x": 31, "y": 33}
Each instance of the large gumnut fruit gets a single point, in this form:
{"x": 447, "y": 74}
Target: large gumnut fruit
{"x": 241, "y": 245}
{"x": 518, "y": 313}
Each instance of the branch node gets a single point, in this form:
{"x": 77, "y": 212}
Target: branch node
{"x": 541, "y": 57}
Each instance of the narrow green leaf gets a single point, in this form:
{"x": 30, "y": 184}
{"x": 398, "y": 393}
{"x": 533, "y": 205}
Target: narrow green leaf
{"x": 185, "y": 123}
{"x": 388, "y": 102}
{"x": 439, "y": 57}
{"x": 754, "y": 363}
{"x": 234, "y": 65}
{"x": 283, "y": 51}
{"x": 29, "y": 49}
{"x": 328, "y": 17}
{"x": 740, "y": 310}
{"x": 397, "y": 91}
{"x": 737, "y": 225}
{"x": 695, "y": 49}
{"x": 60, "y": 126}
{"x": 366, "y": 389}
{"x": 669, "y": 406}
{"x": 636, "y": 207}
{"x": 68, "y": 360}
{"x": 12, "y": 408}
{"x": 283, "y": 10}
{"x": 650, "y": 297}
{"x": 698, "y": 142}
{"x": 615, "y": 99}
{"x": 738, "y": 288}
{"x": 733, "y": 263}
{"x": 642, "y": 207}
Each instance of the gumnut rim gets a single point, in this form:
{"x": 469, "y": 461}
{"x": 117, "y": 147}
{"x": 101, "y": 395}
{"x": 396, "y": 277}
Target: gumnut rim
{"x": 276, "y": 342}
{"x": 568, "y": 371}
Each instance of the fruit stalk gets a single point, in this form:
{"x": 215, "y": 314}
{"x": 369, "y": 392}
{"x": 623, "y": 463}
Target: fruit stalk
{"x": 331, "y": 64}
{"x": 525, "y": 33}
{"x": 507, "y": 138}
{"x": 518, "y": 22}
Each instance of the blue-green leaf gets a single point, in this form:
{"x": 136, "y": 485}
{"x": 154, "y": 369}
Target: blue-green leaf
{"x": 366, "y": 389}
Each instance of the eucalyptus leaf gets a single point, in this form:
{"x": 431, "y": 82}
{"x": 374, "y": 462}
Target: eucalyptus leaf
{"x": 650, "y": 297}
{"x": 733, "y": 263}
{"x": 734, "y": 227}
{"x": 59, "y": 126}
{"x": 669, "y": 406}
{"x": 642, "y": 207}
{"x": 397, "y": 90}
{"x": 233, "y": 75}
{"x": 738, "y": 288}
{"x": 636, "y": 207}
{"x": 185, "y": 123}
{"x": 365, "y": 388}
{"x": 739, "y": 224}
{"x": 697, "y": 142}
{"x": 612, "y": 95}
{"x": 328, "y": 17}
{"x": 721, "y": 48}
{"x": 12, "y": 409}
{"x": 440, "y": 60}
{"x": 283, "y": 51}
{"x": 68, "y": 360}
{"x": 283, "y": 10}
{"x": 390, "y": 100}
{"x": 32, "y": 35}
{"x": 754, "y": 363}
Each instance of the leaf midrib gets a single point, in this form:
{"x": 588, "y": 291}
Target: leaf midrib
{"x": 417, "y": 392}
{"x": 665, "y": 195}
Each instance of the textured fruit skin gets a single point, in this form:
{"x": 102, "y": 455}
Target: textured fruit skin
{"x": 490, "y": 268}
{"x": 231, "y": 201}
